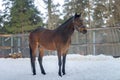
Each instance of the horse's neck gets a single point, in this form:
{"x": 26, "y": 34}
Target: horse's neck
{"x": 65, "y": 31}
{"x": 67, "y": 28}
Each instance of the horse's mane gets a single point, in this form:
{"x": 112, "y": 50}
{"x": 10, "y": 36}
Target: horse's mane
{"x": 62, "y": 26}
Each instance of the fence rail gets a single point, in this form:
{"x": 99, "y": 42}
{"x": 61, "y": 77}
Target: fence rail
{"x": 5, "y": 47}
{"x": 104, "y": 28}
{"x": 96, "y": 44}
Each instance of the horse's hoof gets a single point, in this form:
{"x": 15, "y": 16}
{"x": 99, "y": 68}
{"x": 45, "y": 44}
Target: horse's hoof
{"x": 43, "y": 73}
{"x": 64, "y": 73}
{"x": 34, "y": 73}
{"x": 60, "y": 75}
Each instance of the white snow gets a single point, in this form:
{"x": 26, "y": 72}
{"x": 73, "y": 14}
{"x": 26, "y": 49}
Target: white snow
{"x": 77, "y": 68}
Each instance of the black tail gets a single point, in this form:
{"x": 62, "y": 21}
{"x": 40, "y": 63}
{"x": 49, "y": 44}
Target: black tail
{"x": 30, "y": 52}
{"x": 31, "y": 56}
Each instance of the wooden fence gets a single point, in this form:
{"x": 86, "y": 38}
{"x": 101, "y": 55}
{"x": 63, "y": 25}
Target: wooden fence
{"x": 97, "y": 41}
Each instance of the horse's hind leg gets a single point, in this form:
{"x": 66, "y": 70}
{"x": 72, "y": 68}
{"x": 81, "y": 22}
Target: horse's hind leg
{"x": 33, "y": 56}
{"x": 59, "y": 63}
{"x": 40, "y": 57}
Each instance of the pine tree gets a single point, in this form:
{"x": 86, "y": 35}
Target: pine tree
{"x": 21, "y": 16}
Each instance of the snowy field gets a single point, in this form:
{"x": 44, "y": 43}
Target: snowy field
{"x": 77, "y": 68}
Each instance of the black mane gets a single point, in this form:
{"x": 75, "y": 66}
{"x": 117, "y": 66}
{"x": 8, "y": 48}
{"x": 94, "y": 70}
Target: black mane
{"x": 63, "y": 26}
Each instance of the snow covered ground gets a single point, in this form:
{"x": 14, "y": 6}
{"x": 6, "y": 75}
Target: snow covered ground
{"x": 77, "y": 68}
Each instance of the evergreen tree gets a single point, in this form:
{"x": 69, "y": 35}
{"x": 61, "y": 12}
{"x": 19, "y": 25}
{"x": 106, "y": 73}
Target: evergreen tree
{"x": 21, "y": 16}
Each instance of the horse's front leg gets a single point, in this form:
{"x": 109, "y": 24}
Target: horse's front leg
{"x": 40, "y": 57}
{"x": 64, "y": 61}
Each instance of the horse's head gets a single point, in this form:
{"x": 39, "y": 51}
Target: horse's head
{"x": 78, "y": 24}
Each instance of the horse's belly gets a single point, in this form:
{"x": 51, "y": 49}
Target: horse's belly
{"x": 48, "y": 46}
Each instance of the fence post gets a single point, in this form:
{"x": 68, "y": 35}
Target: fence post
{"x": 94, "y": 48}
{"x": 11, "y": 44}
{"x": 19, "y": 45}
{"x": 3, "y": 54}
{"x": 86, "y": 46}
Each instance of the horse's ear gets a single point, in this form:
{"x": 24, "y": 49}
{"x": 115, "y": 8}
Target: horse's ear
{"x": 77, "y": 15}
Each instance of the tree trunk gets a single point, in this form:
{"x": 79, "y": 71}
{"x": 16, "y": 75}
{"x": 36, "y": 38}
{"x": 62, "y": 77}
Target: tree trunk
{"x": 49, "y": 14}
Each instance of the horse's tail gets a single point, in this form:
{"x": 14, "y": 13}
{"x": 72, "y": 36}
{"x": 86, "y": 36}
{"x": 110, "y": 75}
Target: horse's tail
{"x": 30, "y": 52}
{"x": 31, "y": 58}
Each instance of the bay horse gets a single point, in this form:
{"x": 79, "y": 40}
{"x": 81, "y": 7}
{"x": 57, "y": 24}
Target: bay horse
{"x": 58, "y": 39}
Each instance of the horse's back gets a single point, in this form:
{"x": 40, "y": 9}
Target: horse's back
{"x": 41, "y": 34}
{"x": 35, "y": 34}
